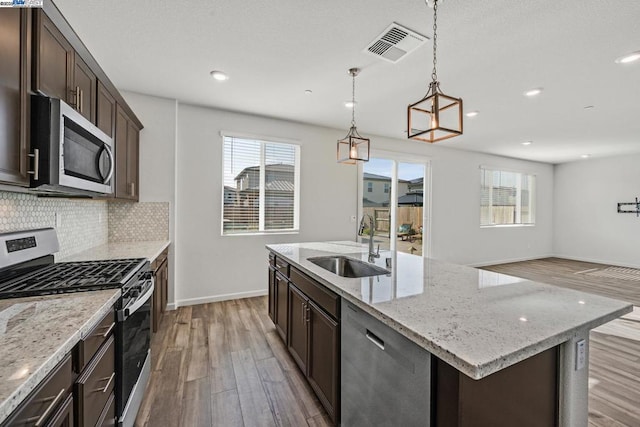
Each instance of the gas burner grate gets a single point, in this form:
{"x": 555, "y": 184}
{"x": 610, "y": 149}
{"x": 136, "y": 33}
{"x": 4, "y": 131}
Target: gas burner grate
{"x": 72, "y": 277}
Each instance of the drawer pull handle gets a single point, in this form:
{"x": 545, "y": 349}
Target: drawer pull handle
{"x": 50, "y": 408}
{"x": 106, "y": 387}
{"x": 36, "y": 164}
{"x": 374, "y": 339}
{"x": 106, "y": 334}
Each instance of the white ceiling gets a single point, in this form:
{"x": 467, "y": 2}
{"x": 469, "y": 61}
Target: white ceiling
{"x": 489, "y": 53}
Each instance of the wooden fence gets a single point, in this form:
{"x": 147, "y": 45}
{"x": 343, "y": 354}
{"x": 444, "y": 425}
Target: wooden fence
{"x": 406, "y": 215}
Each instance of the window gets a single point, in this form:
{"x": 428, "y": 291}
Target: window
{"x": 369, "y": 187}
{"x": 387, "y": 186}
{"x": 260, "y": 186}
{"x": 506, "y": 198}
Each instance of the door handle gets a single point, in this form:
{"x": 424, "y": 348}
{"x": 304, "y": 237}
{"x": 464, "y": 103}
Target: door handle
{"x": 133, "y": 188}
{"x": 106, "y": 387}
{"x": 40, "y": 420}
{"x": 374, "y": 339}
{"x": 81, "y": 100}
{"x": 111, "y": 163}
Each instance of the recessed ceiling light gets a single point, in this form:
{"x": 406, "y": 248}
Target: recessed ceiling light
{"x": 629, "y": 57}
{"x": 219, "y": 75}
{"x": 472, "y": 113}
{"x": 585, "y": 156}
{"x": 533, "y": 92}
{"x": 589, "y": 107}
{"x": 527, "y": 142}
{"x": 350, "y": 104}
{"x": 308, "y": 92}
{"x": 523, "y": 319}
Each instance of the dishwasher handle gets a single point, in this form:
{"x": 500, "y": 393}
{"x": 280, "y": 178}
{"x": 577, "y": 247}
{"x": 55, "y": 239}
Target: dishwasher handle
{"x": 374, "y": 339}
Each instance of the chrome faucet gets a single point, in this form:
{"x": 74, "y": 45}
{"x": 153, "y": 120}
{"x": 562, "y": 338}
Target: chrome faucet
{"x": 372, "y": 254}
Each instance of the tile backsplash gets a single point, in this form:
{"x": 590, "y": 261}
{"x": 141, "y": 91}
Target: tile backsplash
{"x": 145, "y": 221}
{"x": 82, "y": 223}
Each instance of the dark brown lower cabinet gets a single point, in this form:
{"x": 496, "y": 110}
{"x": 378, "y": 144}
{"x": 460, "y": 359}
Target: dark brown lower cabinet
{"x": 95, "y": 385}
{"x": 160, "y": 268}
{"x": 50, "y": 403}
{"x": 281, "y": 290}
{"x": 272, "y": 294}
{"x": 307, "y": 317}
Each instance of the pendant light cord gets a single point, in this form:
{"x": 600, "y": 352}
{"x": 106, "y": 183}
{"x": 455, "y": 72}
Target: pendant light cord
{"x": 434, "y": 74}
{"x": 353, "y": 100}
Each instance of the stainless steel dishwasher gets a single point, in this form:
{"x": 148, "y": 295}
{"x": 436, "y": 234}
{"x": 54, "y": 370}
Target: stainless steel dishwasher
{"x": 386, "y": 379}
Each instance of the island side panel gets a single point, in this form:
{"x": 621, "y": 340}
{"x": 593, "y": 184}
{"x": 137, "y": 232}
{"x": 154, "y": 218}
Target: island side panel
{"x": 523, "y": 395}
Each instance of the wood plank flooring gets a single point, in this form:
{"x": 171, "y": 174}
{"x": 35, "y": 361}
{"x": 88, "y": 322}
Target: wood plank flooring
{"x": 222, "y": 364}
{"x": 614, "y": 371}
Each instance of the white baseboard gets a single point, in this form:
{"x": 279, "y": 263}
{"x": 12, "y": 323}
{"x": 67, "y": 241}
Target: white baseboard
{"x": 598, "y": 261}
{"x": 216, "y": 298}
{"x": 506, "y": 261}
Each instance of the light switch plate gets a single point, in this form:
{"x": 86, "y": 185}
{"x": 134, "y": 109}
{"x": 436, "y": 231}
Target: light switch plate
{"x": 581, "y": 354}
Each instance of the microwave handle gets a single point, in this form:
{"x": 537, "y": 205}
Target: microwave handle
{"x": 111, "y": 163}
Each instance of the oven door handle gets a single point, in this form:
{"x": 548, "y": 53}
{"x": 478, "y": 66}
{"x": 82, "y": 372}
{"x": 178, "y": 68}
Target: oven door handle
{"x": 139, "y": 302}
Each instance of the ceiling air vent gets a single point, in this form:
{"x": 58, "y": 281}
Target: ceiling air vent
{"x": 395, "y": 42}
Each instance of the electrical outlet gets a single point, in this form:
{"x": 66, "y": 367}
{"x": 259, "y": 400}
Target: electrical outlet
{"x": 58, "y": 220}
{"x": 581, "y": 354}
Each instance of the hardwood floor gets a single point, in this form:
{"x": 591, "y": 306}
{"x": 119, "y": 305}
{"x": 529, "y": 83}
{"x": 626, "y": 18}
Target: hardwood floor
{"x": 614, "y": 371}
{"x": 222, "y": 364}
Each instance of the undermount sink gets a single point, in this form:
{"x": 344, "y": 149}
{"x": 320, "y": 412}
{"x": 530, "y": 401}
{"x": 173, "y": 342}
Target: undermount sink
{"x": 348, "y": 267}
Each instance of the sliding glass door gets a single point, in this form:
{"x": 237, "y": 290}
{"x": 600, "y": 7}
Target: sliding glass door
{"x": 395, "y": 193}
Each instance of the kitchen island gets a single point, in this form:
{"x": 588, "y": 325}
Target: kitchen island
{"x": 489, "y": 328}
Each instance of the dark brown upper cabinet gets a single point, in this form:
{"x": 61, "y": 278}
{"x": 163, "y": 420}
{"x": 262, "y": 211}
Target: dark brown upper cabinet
{"x": 61, "y": 73}
{"x": 53, "y": 71}
{"x": 84, "y": 89}
{"x": 15, "y": 57}
{"x": 105, "y": 110}
{"x": 127, "y": 146}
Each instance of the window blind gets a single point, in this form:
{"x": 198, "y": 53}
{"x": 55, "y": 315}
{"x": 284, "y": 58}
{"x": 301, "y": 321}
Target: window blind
{"x": 506, "y": 197}
{"x": 260, "y": 179}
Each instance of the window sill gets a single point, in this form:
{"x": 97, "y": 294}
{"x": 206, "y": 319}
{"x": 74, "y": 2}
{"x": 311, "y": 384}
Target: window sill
{"x": 507, "y": 225}
{"x": 262, "y": 233}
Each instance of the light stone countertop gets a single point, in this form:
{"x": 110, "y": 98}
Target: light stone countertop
{"x": 477, "y": 321}
{"x": 36, "y": 333}
{"x": 149, "y": 250}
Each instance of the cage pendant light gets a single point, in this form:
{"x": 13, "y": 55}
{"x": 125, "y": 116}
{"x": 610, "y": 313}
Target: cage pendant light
{"x": 353, "y": 147}
{"x": 436, "y": 116}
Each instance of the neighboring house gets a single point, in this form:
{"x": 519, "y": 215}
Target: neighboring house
{"x": 416, "y": 185}
{"x": 242, "y": 202}
{"x": 377, "y": 189}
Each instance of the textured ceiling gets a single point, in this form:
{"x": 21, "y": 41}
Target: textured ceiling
{"x": 490, "y": 52}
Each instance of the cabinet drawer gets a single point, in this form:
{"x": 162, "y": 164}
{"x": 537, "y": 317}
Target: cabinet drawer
{"x": 88, "y": 346}
{"x": 327, "y": 300}
{"x": 282, "y": 266}
{"x": 95, "y": 385}
{"x": 108, "y": 416}
{"x": 46, "y": 400}
{"x": 272, "y": 259}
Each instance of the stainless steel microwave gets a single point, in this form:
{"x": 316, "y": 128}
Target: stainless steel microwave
{"x": 70, "y": 155}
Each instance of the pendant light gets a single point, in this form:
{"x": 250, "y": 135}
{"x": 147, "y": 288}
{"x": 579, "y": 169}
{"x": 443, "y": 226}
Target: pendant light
{"x": 353, "y": 147}
{"x": 436, "y": 116}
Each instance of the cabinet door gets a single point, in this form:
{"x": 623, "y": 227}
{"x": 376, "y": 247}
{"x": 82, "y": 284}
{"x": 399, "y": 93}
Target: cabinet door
{"x": 120, "y": 142}
{"x": 282, "y": 298}
{"x": 272, "y": 295}
{"x": 298, "y": 327}
{"x": 64, "y": 416}
{"x": 105, "y": 110}
{"x": 14, "y": 111}
{"x": 84, "y": 89}
{"x": 164, "y": 286}
{"x": 133, "y": 151}
{"x": 324, "y": 350}
{"x": 54, "y": 59}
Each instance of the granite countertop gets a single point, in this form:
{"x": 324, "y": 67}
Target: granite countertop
{"x": 37, "y": 332}
{"x": 149, "y": 250}
{"x": 477, "y": 321}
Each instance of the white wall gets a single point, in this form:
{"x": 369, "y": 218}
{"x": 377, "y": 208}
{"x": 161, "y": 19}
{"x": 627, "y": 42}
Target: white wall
{"x": 157, "y": 159}
{"x": 456, "y": 235}
{"x": 209, "y": 266}
{"x": 587, "y": 225}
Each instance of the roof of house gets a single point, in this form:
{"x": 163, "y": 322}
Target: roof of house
{"x": 373, "y": 176}
{"x": 276, "y": 167}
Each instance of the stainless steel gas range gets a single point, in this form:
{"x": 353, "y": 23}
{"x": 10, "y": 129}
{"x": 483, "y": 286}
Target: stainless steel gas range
{"x": 27, "y": 268}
